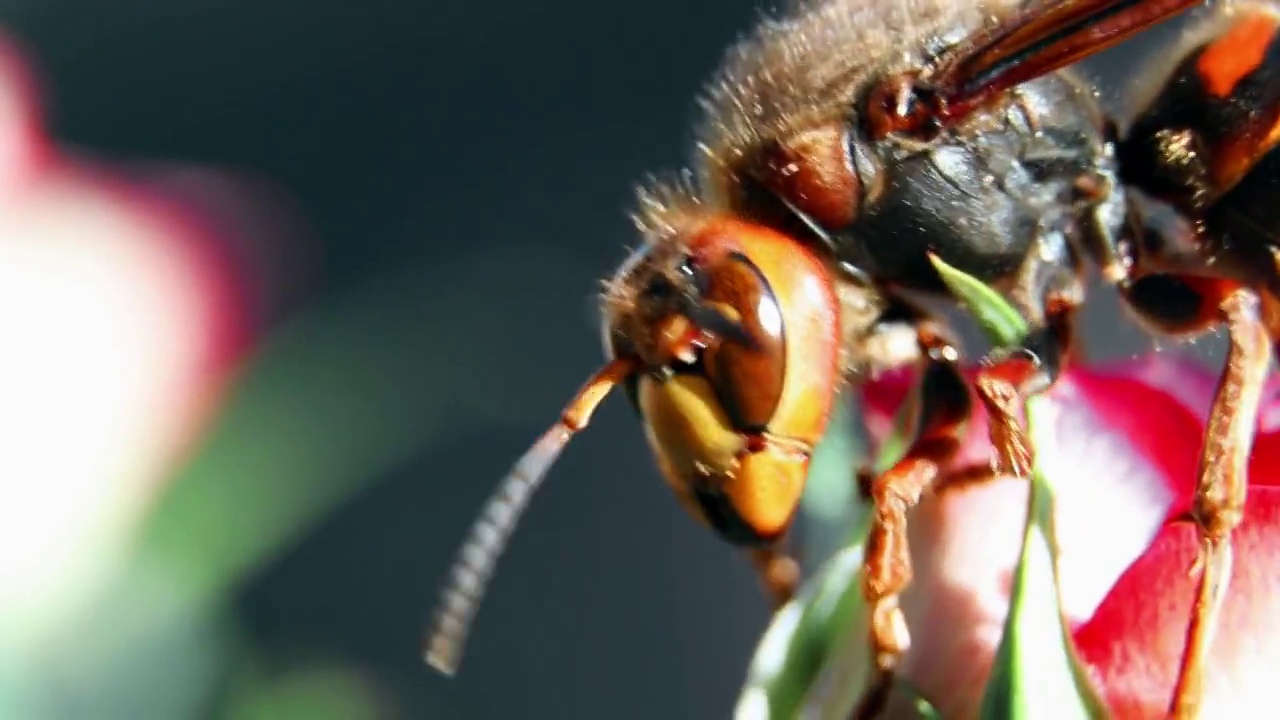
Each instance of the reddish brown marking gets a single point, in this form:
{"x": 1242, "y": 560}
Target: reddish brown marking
{"x": 893, "y": 106}
{"x": 1015, "y": 371}
{"x": 1228, "y": 59}
{"x": 1236, "y": 155}
{"x": 814, "y": 172}
{"x": 1215, "y": 291}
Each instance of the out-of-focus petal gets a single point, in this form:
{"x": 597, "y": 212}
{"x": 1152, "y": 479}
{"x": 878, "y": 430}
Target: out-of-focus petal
{"x": 25, "y": 149}
{"x": 125, "y": 312}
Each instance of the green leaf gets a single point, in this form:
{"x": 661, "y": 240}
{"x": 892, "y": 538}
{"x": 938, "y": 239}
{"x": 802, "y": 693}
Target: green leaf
{"x": 802, "y": 638}
{"x": 830, "y": 505}
{"x": 998, "y": 318}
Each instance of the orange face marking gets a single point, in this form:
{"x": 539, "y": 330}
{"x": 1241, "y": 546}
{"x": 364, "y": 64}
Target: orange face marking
{"x": 766, "y": 490}
{"x": 1236, "y": 53}
{"x": 734, "y": 440}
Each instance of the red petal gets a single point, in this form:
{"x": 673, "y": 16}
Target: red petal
{"x": 1133, "y": 644}
{"x": 1188, "y": 381}
{"x": 1160, "y": 427}
{"x": 1264, "y": 463}
{"x": 881, "y": 399}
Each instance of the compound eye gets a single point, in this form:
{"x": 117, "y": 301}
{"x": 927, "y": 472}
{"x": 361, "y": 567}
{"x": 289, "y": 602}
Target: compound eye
{"x": 748, "y": 379}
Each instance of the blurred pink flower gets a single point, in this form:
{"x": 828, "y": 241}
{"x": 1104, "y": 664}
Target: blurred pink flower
{"x": 126, "y": 308}
{"x": 1123, "y": 456}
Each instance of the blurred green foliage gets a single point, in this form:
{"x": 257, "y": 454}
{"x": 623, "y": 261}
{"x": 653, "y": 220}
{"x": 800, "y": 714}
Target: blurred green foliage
{"x": 339, "y": 395}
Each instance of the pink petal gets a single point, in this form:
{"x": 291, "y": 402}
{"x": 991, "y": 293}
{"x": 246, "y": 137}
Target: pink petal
{"x": 1123, "y": 458}
{"x": 1158, "y": 424}
{"x": 1134, "y": 642}
{"x": 964, "y": 545}
{"x": 1157, "y": 403}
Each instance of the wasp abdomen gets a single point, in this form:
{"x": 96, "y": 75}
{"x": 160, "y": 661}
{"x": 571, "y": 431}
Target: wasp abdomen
{"x": 1215, "y": 119}
{"x": 1209, "y": 143}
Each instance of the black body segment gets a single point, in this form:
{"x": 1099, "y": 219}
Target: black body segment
{"x": 998, "y": 197}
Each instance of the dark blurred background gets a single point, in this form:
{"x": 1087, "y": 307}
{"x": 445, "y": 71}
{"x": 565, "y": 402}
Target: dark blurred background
{"x": 456, "y": 178}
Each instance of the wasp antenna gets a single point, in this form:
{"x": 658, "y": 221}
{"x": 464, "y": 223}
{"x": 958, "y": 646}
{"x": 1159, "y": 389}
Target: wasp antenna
{"x": 488, "y": 538}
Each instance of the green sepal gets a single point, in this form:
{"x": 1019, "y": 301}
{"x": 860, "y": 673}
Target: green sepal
{"x": 1002, "y": 323}
{"x": 803, "y": 638}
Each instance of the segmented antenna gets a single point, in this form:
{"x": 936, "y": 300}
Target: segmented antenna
{"x": 488, "y": 538}
{"x": 479, "y": 555}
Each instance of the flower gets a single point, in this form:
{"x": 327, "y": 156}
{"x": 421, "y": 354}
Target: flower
{"x": 128, "y": 305}
{"x": 1126, "y": 445}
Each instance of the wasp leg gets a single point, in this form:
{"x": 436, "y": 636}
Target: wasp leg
{"x": 941, "y": 410}
{"x": 1222, "y": 485}
{"x": 1010, "y": 376}
{"x": 780, "y": 573}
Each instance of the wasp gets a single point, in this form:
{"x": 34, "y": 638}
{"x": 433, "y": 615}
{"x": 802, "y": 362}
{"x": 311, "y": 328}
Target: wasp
{"x": 843, "y": 144}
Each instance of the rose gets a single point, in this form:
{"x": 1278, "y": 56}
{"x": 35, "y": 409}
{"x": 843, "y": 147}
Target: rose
{"x": 1127, "y": 441}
